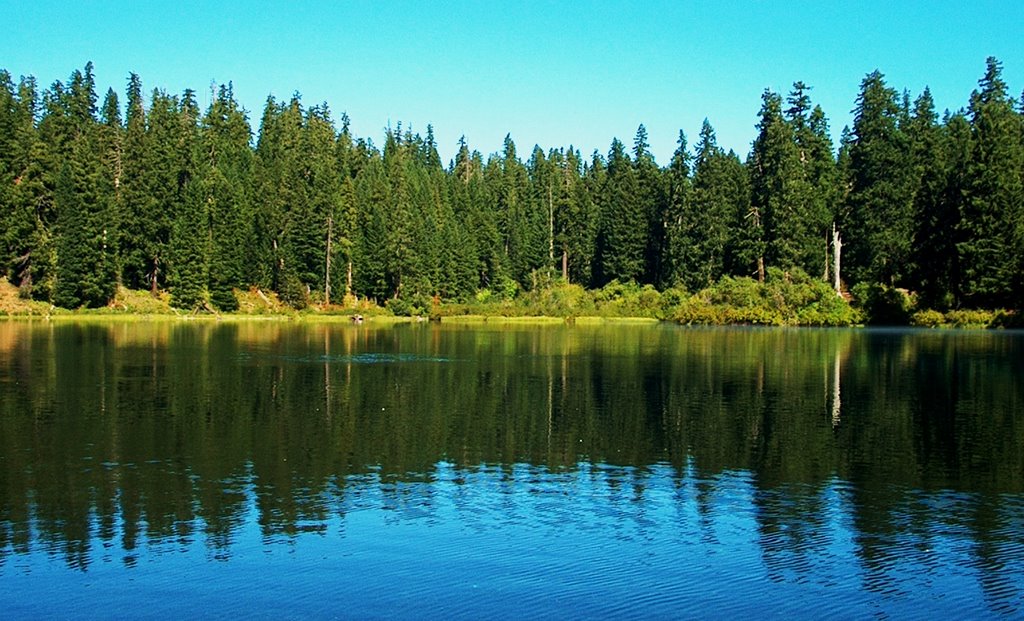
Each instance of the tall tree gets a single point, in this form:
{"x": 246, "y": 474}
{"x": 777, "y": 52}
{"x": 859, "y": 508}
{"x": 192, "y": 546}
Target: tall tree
{"x": 651, "y": 185}
{"x": 224, "y": 164}
{"x": 624, "y": 222}
{"x": 190, "y": 240}
{"x": 880, "y": 203}
{"x": 990, "y": 244}
{"x": 678, "y": 217}
{"x": 86, "y": 270}
{"x": 27, "y": 202}
{"x": 936, "y": 211}
{"x": 818, "y": 188}
{"x": 576, "y": 221}
{"x": 778, "y": 190}
{"x": 720, "y": 190}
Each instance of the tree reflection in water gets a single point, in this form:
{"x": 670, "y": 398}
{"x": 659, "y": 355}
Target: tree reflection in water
{"x": 894, "y": 455}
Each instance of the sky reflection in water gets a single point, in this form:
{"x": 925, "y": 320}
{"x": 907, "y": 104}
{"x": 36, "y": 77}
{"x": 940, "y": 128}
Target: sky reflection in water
{"x": 293, "y": 471}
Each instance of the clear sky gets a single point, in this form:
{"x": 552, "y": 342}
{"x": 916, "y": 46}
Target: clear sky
{"x": 549, "y": 73}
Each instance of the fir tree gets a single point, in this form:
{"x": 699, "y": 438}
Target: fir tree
{"x": 880, "y": 222}
{"x": 678, "y": 216}
{"x": 778, "y": 191}
{"x": 990, "y": 248}
{"x": 625, "y": 220}
{"x": 650, "y": 182}
{"x": 935, "y": 216}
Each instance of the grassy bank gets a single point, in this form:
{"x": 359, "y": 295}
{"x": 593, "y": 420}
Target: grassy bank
{"x": 784, "y": 299}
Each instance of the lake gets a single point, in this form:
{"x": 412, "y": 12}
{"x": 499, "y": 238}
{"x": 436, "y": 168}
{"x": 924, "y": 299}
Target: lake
{"x": 263, "y": 469}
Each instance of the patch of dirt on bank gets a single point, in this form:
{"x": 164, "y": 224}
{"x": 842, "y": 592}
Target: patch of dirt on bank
{"x": 12, "y": 304}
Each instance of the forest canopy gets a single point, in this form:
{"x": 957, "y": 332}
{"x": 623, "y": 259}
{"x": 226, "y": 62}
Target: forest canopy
{"x": 157, "y": 194}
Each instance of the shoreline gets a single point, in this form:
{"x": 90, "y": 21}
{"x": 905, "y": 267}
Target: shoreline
{"x": 67, "y": 317}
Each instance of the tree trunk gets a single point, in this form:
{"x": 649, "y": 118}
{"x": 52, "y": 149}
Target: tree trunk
{"x": 825, "y": 274}
{"x": 348, "y": 279}
{"x": 152, "y": 278}
{"x": 760, "y": 269}
{"x": 565, "y": 265}
{"x": 551, "y": 228}
{"x": 327, "y": 276}
{"x": 837, "y": 248}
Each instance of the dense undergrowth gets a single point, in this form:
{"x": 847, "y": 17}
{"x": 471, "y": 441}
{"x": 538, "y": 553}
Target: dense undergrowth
{"x": 784, "y": 299}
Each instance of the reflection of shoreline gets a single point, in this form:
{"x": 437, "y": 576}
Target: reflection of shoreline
{"x": 201, "y": 431}
{"x": 802, "y": 534}
{"x": 836, "y": 390}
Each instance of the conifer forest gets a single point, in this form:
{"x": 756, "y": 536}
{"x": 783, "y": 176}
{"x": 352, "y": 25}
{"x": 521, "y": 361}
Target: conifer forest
{"x": 153, "y": 193}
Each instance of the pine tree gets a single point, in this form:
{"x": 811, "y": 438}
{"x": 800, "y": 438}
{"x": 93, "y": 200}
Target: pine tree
{"x": 370, "y": 259}
{"x": 475, "y": 205}
{"x": 935, "y": 215}
{"x": 990, "y": 247}
{"x": 624, "y": 224}
{"x": 518, "y": 218}
{"x": 650, "y": 182}
{"x": 778, "y": 190}
{"x": 86, "y": 269}
{"x": 134, "y": 197}
{"x": 678, "y": 214}
{"x": 719, "y": 191}
{"x": 224, "y": 165}
{"x": 25, "y": 201}
{"x": 190, "y": 235}
{"x": 152, "y": 191}
{"x": 190, "y": 240}
{"x": 880, "y": 222}
{"x": 576, "y": 221}
{"x": 818, "y": 191}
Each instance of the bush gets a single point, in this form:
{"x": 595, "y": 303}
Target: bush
{"x": 787, "y": 298}
{"x": 970, "y": 318}
{"x": 927, "y": 319}
{"x": 416, "y": 306}
{"x": 883, "y": 305}
{"x": 292, "y": 292}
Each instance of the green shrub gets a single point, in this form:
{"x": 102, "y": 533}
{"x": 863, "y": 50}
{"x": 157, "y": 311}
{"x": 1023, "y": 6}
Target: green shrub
{"x": 970, "y": 318}
{"x": 927, "y": 319}
{"x": 786, "y": 298}
{"x": 882, "y": 304}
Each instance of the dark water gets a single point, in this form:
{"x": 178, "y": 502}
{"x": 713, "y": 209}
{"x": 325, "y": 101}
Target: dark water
{"x": 277, "y": 470}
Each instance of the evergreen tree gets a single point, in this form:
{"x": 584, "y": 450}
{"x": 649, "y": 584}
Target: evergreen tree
{"x": 190, "y": 236}
{"x": 372, "y": 200}
{"x": 718, "y": 193}
{"x": 190, "y": 240}
{"x": 134, "y": 196}
{"x": 880, "y": 225}
{"x": 225, "y": 167}
{"x": 818, "y": 191}
{"x": 990, "y": 241}
{"x": 26, "y": 205}
{"x": 475, "y": 206}
{"x": 650, "y": 182}
{"x": 518, "y": 216}
{"x": 625, "y": 221}
{"x": 936, "y": 215}
{"x": 576, "y": 221}
{"x": 86, "y": 271}
{"x": 152, "y": 189}
{"x": 678, "y": 238}
{"x": 778, "y": 190}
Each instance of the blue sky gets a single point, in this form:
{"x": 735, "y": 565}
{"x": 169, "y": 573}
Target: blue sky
{"x": 549, "y": 73}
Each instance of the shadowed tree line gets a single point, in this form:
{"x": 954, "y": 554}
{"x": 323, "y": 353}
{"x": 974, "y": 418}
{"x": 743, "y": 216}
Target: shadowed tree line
{"x": 158, "y": 194}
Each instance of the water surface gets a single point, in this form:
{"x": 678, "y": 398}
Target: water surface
{"x": 291, "y": 471}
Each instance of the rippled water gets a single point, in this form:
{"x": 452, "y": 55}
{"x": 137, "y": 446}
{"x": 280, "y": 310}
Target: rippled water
{"x": 429, "y": 471}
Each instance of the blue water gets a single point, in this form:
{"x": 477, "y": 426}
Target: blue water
{"x": 622, "y": 499}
